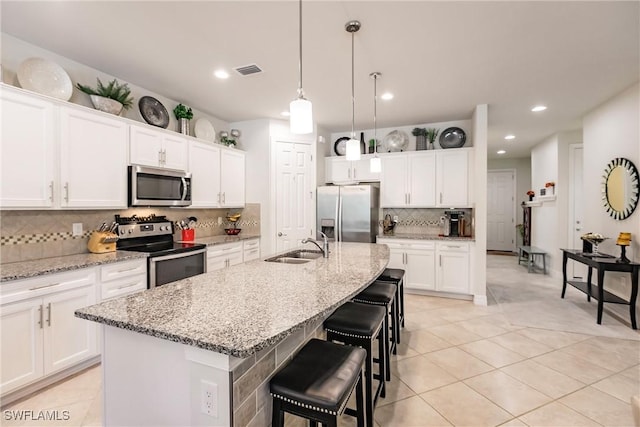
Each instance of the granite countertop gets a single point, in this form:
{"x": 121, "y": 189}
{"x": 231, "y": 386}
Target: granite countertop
{"x": 417, "y": 236}
{"x": 39, "y": 267}
{"x": 219, "y": 240}
{"x": 244, "y": 308}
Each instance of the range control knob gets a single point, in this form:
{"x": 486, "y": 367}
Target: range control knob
{"x": 130, "y": 230}
{"x": 121, "y": 232}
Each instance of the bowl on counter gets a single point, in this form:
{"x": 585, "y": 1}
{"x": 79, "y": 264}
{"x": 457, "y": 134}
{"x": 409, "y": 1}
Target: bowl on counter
{"x": 232, "y": 231}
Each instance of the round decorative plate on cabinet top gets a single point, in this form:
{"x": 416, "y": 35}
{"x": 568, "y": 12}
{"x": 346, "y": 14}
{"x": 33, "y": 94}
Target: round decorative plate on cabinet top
{"x": 340, "y": 146}
{"x": 203, "y": 129}
{"x": 396, "y": 140}
{"x": 153, "y": 112}
{"x": 452, "y": 138}
{"x": 45, "y": 77}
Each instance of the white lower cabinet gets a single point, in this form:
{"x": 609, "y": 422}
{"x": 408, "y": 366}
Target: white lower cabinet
{"x": 430, "y": 265}
{"x": 224, "y": 255}
{"x": 251, "y": 249}
{"x": 39, "y": 333}
{"x": 123, "y": 278}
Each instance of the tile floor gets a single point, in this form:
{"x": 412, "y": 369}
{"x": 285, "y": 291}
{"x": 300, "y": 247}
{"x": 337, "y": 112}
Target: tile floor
{"x": 527, "y": 359}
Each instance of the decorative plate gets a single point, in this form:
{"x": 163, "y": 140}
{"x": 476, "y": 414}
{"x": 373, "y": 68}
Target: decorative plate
{"x": 340, "y": 146}
{"x": 452, "y": 138}
{"x": 45, "y": 77}
{"x": 203, "y": 129}
{"x": 153, "y": 112}
{"x": 396, "y": 140}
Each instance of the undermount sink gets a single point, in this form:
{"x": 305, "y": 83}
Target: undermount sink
{"x": 299, "y": 256}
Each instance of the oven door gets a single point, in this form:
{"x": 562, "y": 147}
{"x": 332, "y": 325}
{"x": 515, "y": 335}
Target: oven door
{"x": 158, "y": 187}
{"x": 169, "y": 268}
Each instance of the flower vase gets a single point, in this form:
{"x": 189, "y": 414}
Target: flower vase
{"x": 531, "y": 198}
{"x": 421, "y": 142}
{"x": 183, "y": 126}
{"x": 431, "y": 147}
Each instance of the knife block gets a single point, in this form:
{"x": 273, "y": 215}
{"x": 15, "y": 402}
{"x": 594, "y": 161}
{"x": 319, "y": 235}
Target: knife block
{"x": 102, "y": 242}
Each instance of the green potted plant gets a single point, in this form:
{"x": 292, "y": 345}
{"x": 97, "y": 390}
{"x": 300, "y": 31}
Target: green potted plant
{"x": 112, "y": 98}
{"x": 431, "y": 134}
{"x": 183, "y": 114}
{"x": 421, "y": 138}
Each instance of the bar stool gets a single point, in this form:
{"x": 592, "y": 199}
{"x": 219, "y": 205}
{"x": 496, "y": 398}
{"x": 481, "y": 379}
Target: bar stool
{"x": 395, "y": 276}
{"x": 384, "y": 294}
{"x": 317, "y": 383}
{"x": 359, "y": 325}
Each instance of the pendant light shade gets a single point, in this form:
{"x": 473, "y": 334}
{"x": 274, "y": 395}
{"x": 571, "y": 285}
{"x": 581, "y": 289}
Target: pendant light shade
{"x": 375, "y": 164}
{"x": 301, "y": 113}
{"x": 353, "y": 145}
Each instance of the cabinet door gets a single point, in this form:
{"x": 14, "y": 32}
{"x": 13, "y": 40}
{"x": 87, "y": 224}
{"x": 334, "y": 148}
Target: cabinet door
{"x": 362, "y": 170}
{"x": 396, "y": 257}
{"x": 26, "y": 151}
{"x": 216, "y": 263}
{"x": 393, "y": 182}
{"x": 453, "y": 272}
{"x": 422, "y": 180}
{"x": 204, "y": 165}
{"x": 234, "y": 259}
{"x": 232, "y": 183}
{"x": 453, "y": 179}
{"x": 338, "y": 170}
{"x": 145, "y": 146}
{"x": 68, "y": 339}
{"x": 20, "y": 344}
{"x": 93, "y": 160}
{"x": 420, "y": 269}
{"x": 174, "y": 152}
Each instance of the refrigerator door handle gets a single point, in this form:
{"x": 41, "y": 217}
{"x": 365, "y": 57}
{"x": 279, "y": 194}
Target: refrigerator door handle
{"x": 339, "y": 238}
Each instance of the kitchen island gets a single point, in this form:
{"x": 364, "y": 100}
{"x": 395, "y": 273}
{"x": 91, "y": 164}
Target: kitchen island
{"x": 220, "y": 334}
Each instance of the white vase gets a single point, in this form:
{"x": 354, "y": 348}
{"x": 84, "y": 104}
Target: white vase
{"x": 107, "y": 105}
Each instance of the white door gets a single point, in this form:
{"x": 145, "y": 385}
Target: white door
{"x": 93, "y": 160}
{"x": 232, "y": 178}
{"x": 204, "y": 165}
{"x": 294, "y": 195}
{"x": 20, "y": 344}
{"x": 501, "y": 231}
{"x": 576, "y": 203}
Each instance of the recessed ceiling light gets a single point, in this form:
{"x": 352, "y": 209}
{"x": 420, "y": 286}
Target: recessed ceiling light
{"x": 387, "y": 96}
{"x": 510, "y": 137}
{"x": 221, "y": 74}
{"x": 501, "y": 151}
{"x": 538, "y": 108}
{"x": 285, "y": 114}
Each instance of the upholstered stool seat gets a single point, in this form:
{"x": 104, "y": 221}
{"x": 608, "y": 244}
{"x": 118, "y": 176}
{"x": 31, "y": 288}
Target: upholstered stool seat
{"x": 383, "y": 294}
{"x": 396, "y": 276}
{"x": 359, "y": 325}
{"x": 317, "y": 383}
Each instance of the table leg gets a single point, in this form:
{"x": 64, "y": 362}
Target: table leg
{"x": 634, "y": 296}
{"x": 564, "y": 273}
{"x": 530, "y": 263}
{"x": 589, "y": 276}
{"x": 519, "y": 256}
{"x": 544, "y": 263}
{"x": 600, "y": 294}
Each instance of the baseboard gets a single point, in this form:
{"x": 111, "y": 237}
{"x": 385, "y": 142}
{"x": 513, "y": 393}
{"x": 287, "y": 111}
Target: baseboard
{"x": 438, "y": 294}
{"x": 480, "y": 300}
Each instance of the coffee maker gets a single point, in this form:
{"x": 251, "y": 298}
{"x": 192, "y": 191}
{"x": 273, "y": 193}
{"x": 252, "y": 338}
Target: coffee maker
{"x": 452, "y": 224}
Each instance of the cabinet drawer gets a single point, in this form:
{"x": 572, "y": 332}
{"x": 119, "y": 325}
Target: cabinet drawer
{"x": 46, "y": 284}
{"x": 251, "y": 244}
{"x": 453, "y": 247}
{"x": 123, "y": 286}
{"x": 251, "y": 254}
{"x": 123, "y": 269}
{"x": 225, "y": 249}
{"x": 409, "y": 244}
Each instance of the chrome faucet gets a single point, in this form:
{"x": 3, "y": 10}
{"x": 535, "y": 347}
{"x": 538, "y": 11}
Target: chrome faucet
{"x": 325, "y": 244}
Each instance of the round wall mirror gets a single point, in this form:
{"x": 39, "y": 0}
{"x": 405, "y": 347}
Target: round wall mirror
{"x": 620, "y": 188}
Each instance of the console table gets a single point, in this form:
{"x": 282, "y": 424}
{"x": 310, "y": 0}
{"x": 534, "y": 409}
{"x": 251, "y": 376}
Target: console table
{"x": 602, "y": 263}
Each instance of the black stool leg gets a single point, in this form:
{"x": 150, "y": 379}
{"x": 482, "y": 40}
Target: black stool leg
{"x": 401, "y": 287}
{"x": 384, "y": 364}
{"x": 369, "y": 385}
{"x": 361, "y": 416}
{"x": 386, "y": 345}
{"x": 277, "y": 419}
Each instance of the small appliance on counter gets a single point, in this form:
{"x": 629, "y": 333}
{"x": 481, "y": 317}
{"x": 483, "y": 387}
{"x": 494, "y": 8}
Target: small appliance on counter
{"x": 103, "y": 240}
{"x": 454, "y": 224}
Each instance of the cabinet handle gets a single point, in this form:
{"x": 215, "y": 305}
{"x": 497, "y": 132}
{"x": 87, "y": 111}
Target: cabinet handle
{"x": 49, "y": 314}
{"x": 409, "y": 195}
{"x": 218, "y": 197}
{"x": 160, "y": 157}
{"x": 51, "y": 191}
{"x": 354, "y": 173}
{"x": 224, "y": 196}
{"x": 66, "y": 192}
{"x": 45, "y": 286}
{"x": 40, "y": 322}
{"x": 440, "y": 197}
{"x": 126, "y": 270}
{"x": 349, "y": 172}
{"x": 440, "y": 260}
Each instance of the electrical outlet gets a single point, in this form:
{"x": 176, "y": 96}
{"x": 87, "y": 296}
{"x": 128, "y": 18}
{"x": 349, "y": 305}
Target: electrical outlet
{"x": 395, "y": 218}
{"x": 209, "y": 398}
{"x": 219, "y": 220}
{"x": 77, "y": 229}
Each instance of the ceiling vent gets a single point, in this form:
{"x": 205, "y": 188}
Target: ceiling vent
{"x": 247, "y": 70}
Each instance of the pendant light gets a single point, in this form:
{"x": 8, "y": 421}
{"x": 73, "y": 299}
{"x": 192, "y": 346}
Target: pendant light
{"x": 375, "y": 164}
{"x": 353, "y": 145}
{"x": 301, "y": 114}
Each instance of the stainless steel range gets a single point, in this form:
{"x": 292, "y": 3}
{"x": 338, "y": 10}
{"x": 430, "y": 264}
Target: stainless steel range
{"x": 168, "y": 260}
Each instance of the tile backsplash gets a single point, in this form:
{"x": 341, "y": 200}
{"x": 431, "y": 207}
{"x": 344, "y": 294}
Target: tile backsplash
{"x": 424, "y": 221}
{"x": 27, "y": 235}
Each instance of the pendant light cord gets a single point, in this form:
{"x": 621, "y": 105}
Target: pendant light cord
{"x": 300, "y": 94}
{"x": 375, "y": 112}
{"x": 353, "y": 92}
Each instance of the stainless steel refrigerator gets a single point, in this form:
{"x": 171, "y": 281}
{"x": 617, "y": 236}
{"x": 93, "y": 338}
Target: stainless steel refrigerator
{"x": 348, "y": 213}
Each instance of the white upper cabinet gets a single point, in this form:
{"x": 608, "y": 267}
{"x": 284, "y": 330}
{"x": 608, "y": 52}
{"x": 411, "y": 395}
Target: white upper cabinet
{"x": 26, "y": 151}
{"x": 93, "y": 160}
{"x": 408, "y": 180}
{"x": 339, "y": 170}
{"x": 232, "y": 178}
{"x": 150, "y": 147}
{"x": 204, "y": 165}
{"x": 453, "y": 178}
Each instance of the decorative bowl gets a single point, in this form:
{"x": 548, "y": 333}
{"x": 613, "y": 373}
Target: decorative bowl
{"x": 107, "y": 105}
{"x": 232, "y": 231}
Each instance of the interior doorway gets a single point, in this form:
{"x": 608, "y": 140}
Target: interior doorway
{"x": 576, "y": 203}
{"x": 501, "y": 210}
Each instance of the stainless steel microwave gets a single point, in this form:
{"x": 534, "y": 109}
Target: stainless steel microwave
{"x": 158, "y": 187}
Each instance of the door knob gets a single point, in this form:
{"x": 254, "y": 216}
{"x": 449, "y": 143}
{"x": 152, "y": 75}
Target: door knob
{"x": 280, "y": 234}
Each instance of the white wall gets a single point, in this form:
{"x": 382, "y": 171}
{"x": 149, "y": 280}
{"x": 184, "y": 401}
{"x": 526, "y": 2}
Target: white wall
{"x": 611, "y": 130}
{"x": 480, "y": 124}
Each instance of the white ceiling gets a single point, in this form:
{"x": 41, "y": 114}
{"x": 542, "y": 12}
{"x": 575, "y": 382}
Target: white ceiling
{"x": 440, "y": 59}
